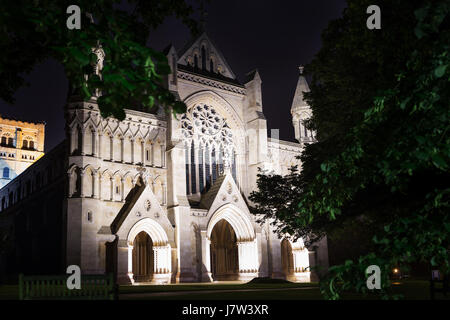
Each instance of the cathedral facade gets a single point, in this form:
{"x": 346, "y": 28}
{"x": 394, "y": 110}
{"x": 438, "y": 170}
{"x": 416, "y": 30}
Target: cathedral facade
{"x": 164, "y": 199}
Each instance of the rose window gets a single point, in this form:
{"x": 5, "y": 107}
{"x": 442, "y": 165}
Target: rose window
{"x": 209, "y": 147}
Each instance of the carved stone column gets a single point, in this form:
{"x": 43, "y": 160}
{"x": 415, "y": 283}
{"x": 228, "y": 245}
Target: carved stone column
{"x": 206, "y": 257}
{"x": 81, "y": 183}
{"x": 95, "y": 177}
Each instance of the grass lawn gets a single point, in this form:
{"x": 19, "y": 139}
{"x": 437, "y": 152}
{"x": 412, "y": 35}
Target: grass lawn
{"x": 411, "y": 289}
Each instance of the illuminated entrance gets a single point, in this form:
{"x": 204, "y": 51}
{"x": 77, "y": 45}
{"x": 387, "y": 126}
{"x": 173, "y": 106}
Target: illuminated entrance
{"x": 149, "y": 253}
{"x": 295, "y": 261}
{"x": 143, "y": 260}
{"x": 231, "y": 250}
{"x": 287, "y": 259}
{"x": 224, "y": 252}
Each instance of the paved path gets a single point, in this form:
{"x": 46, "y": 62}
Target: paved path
{"x": 179, "y": 293}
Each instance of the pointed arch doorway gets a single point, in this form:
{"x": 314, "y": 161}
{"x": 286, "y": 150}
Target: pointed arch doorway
{"x": 231, "y": 248}
{"x": 143, "y": 258}
{"x": 224, "y": 252}
{"x": 149, "y": 253}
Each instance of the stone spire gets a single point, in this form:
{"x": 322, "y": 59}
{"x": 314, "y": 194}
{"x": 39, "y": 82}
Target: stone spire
{"x": 301, "y": 111}
{"x": 302, "y": 86}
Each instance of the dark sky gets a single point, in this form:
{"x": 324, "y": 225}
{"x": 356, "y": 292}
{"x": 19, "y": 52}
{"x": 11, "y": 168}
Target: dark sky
{"x": 273, "y": 36}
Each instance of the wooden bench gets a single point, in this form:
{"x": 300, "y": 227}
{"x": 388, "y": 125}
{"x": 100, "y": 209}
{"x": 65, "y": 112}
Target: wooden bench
{"x": 93, "y": 287}
{"x": 445, "y": 286}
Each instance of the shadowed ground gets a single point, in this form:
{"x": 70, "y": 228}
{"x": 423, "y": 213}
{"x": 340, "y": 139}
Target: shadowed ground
{"x": 411, "y": 289}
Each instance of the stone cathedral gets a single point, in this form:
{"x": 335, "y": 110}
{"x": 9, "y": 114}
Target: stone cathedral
{"x": 161, "y": 199}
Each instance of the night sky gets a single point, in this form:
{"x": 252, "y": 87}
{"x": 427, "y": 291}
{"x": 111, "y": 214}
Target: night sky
{"x": 273, "y": 36}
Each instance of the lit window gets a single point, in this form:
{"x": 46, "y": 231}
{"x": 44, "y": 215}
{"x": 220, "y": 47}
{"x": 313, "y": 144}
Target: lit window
{"x": 6, "y": 172}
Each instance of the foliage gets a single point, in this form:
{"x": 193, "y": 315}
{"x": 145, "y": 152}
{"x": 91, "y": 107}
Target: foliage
{"x": 32, "y": 31}
{"x": 384, "y": 151}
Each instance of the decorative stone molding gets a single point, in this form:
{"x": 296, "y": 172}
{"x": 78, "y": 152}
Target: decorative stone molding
{"x": 211, "y": 83}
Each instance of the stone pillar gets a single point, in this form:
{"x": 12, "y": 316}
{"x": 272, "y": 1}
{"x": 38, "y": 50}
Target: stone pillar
{"x": 70, "y": 187}
{"x": 124, "y": 262}
{"x": 152, "y": 149}
{"x": 95, "y": 177}
{"x": 100, "y": 144}
{"x": 81, "y": 183}
{"x": 95, "y": 143}
{"x": 122, "y": 187}
{"x": 162, "y": 271}
{"x": 100, "y": 179}
{"x": 301, "y": 265}
{"x": 248, "y": 259}
{"x": 275, "y": 253}
{"x": 132, "y": 150}
{"x": 81, "y": 143}
{"x": 206, "y": 257}
{"x": 164, "y": 197}
{"x": 163, "y": 156}
{"x": 121, "y": 148}
{"x": 111, "y": 186}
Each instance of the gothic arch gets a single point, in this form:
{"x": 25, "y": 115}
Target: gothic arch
{"x": 238, "y": 220}
{"x": 152, "y": 228}
{"x": 221, "y": 105}
{"x": 161, "y": 249}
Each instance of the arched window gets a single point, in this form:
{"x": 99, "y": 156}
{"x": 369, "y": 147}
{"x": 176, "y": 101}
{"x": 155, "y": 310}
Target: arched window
{"x": 207, "y": 168}
{"x": 211, "y": 65}
{"x": 214, "y": 165}
{"x": 207, "y": 127}
{"x": 195, "y": 61}
{"x": 193, "y": 171}
{"x": 200, "y": 168}
{"x": 203, "y": 58}
{"x": 10, "y": 142}
{"x": 3, "y": 141}
{"x": 186, "y": 158}
{"x": 6, "y": 172}
{"x": 25, "y": 144}
{"x": 306, "y": 130}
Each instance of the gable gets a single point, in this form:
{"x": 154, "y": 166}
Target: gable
{"x": 140, "y": 203}
{"x": 224, "y": 191}
{"x": 201, "y": 53}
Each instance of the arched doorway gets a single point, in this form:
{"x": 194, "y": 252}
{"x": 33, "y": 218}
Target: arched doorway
{"x": 287, "y": 259}
{"x": 149, "y": 253}
{"x": 224, "y": 252}
{"x": 143, "y": 259}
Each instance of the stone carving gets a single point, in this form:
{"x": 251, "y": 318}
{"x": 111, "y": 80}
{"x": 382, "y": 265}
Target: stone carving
{"x": 147, "y": 205}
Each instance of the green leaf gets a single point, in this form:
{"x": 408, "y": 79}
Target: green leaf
{"x": 440, "y": 71}
{"x": 79, "y": 56}
{"x": 438, "y": 161}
